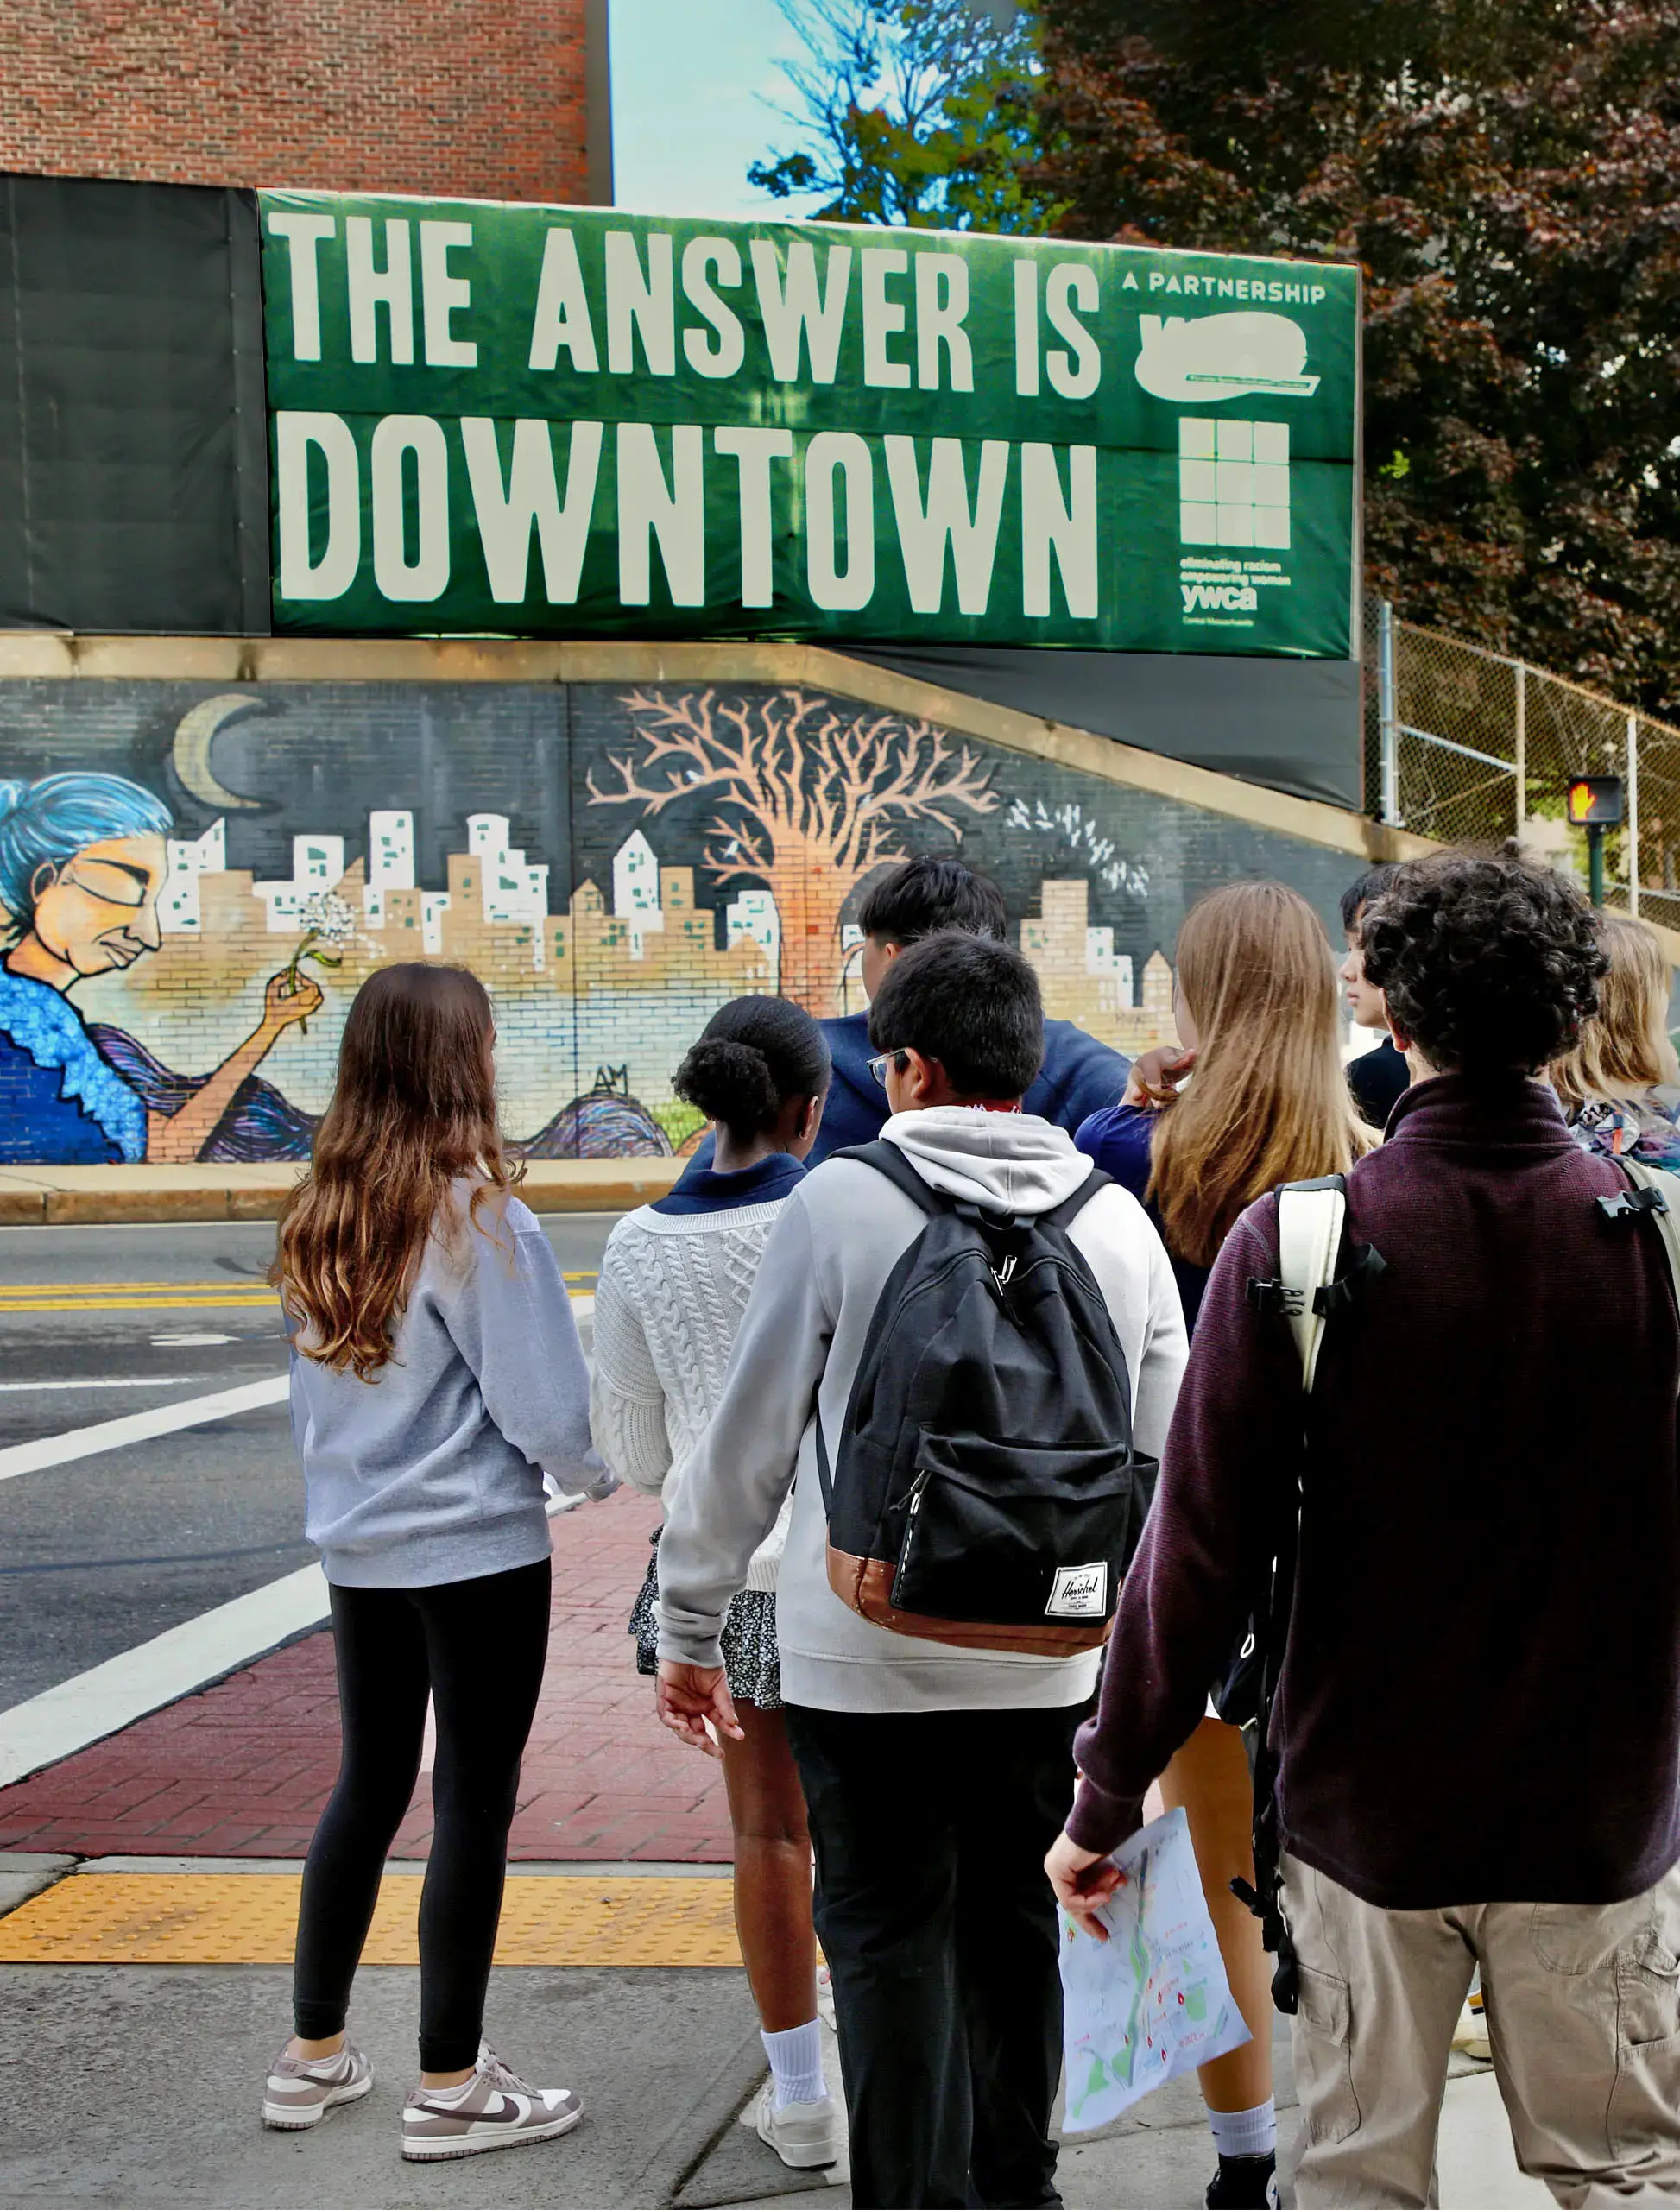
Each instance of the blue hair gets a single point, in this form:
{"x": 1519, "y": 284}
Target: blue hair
{"x": 48, "y": 822}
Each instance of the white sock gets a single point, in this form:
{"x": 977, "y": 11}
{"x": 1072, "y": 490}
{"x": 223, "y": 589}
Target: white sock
{"x": 453, "y": 2094}
{"x": 1246, "y": 2132}
{"x": 796, "y": 2064}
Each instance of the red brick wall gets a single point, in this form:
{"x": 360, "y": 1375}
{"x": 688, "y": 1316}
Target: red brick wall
{"x": 481, "y": 98}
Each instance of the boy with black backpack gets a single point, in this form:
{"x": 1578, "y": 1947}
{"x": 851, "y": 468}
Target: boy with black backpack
{"x": 965, "y": 1343}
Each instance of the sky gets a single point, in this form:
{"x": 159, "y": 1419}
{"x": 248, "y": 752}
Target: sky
{"x": 692, "y": 80}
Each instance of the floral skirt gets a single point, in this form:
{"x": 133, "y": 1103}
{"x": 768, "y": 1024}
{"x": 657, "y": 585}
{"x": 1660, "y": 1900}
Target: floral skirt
{"x": 752, "y": 1665}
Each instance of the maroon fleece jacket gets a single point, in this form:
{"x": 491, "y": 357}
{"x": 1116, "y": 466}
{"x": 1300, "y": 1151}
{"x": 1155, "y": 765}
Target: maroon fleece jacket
{"x": 1481, "y": 1700}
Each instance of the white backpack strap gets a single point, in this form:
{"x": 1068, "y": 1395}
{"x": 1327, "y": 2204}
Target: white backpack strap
{"x": 1667, "y": 1216}
{"x": 1310, "y": 1223}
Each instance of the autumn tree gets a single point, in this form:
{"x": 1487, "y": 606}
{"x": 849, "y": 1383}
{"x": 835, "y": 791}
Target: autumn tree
{"x": 912, "y": 111}
{"x": 803, "y": 796}
{"x": 1509, "y": 176}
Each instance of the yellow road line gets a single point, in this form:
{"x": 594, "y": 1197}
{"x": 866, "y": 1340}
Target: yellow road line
{"x": 130, "y": 1304}
{"x": 110, "y": 1288}
{"x": 251, "y": 1918}
{"x": 65, "y": 1296}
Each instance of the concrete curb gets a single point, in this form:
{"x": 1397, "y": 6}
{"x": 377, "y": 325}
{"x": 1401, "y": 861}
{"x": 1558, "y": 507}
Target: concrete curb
{"x": 61, "y": 1196}
{"x": 25, "y": 1874}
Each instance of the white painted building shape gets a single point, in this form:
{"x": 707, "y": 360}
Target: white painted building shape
{"x": 1102, "y": 958}
{"x": 753, "y": 916}
{"x": 1234, "y": 483}
{"x": 510, "y": 890}
{"x": 391, "y": 850}
{"x": 178, "y": 909}
{"x": 390, "y": 861}
{"x": 635, "y": 890}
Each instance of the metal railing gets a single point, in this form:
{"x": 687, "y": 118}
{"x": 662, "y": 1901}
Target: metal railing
{"x": 1470, "y": 746}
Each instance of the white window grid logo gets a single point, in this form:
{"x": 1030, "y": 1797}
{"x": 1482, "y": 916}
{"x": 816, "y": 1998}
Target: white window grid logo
{"x": 1233, "y": 483}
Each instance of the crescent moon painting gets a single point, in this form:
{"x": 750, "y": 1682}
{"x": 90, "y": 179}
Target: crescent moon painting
{"x": 190, "y": 753}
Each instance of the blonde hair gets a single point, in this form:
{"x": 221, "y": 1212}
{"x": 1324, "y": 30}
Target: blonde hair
{"x": 1624, "y": 1050}
{"x": 1269, "y": 1100}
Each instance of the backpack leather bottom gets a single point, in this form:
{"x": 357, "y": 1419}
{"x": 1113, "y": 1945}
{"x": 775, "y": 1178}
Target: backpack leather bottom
{"x": 864, "y": 1585}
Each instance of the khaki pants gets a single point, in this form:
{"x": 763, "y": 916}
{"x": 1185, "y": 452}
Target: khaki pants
{"x": 1583, "y": 2008}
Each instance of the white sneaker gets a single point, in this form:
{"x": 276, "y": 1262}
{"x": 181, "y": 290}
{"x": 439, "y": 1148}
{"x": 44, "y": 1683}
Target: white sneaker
{"x": 806, "y": 2136}
{"x": 496, "y": 2110}
{"x": 303, "y": 2089}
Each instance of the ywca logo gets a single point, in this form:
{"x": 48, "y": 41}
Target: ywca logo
{"x": 1233, "y": 483}
{"x": 1226, "y": 598}
{"x": 1079, "y": 1591}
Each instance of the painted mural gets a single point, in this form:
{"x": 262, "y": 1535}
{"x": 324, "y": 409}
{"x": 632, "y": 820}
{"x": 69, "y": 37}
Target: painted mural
{"x": 193, "y": 884}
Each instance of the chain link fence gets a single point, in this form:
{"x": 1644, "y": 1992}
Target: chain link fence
{"x": 1469, "y": 747}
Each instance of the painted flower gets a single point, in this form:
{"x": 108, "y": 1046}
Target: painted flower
{"x": 328, "y": 921}
{"x": 328, "y": 918}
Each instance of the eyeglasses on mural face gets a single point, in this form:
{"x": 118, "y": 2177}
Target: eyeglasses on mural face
{"x": 899, "y": 1061}
{"x": 111, "y": 882}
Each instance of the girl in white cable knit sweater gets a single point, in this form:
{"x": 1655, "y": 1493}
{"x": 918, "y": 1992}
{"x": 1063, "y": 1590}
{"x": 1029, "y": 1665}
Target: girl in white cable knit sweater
{"x": 675, "y": 1283}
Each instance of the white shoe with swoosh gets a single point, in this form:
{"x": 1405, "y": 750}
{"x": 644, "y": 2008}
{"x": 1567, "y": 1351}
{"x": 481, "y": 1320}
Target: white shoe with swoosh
{"x": 495, "y": 2110}
{"x": 301, "y": 2090}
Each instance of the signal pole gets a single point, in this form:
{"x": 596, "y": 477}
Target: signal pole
{"x": 1596, "y": 803}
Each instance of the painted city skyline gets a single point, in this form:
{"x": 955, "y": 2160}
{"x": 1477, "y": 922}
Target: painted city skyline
{"x": 614, "y": 863}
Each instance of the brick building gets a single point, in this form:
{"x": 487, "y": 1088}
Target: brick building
{"x": 504, "y": 99}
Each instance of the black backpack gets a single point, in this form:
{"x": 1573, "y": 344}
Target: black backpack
{"x": 986, "y": 1492}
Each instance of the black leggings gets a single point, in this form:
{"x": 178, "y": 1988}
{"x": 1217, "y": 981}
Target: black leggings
{"x": 478, "y": 1647}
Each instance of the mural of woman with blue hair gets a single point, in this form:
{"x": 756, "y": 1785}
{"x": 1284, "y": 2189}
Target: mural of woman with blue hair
{"x": 82, "y": 860}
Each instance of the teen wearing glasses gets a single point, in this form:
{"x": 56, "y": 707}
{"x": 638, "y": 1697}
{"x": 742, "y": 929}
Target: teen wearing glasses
{"x": 82, "y": 860}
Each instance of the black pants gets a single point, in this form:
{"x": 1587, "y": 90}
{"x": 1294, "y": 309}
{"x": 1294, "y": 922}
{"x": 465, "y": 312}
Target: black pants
{"x": 941, "y": 1934}
{"x": 479, "y": 1648}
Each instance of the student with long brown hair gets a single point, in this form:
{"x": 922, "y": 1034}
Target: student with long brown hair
{"x": 1255, "y": 1001}
{"x": 437, "y": 1378}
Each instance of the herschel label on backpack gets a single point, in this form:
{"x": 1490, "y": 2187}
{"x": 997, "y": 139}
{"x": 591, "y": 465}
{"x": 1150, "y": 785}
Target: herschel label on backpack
{"x": 985, "y": 1491}
{"x": 1079, "y": 1591}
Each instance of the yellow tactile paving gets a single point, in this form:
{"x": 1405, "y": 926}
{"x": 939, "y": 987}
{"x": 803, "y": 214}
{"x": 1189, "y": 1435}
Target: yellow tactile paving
{"x": 249, "y": 1918}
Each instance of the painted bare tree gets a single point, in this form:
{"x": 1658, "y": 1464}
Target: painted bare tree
{"x": 807, "y": 797}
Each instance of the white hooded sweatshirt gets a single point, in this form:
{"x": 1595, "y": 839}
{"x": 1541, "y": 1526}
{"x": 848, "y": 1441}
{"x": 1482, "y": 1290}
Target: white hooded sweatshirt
{"x": 828, "y": 1258}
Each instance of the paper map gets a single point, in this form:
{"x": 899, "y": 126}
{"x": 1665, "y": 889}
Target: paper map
{"x": 1153, "y": 2000}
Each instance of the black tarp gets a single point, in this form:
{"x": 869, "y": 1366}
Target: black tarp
{"x": 133, "y": 439}
{"x": 1293, "y": 724}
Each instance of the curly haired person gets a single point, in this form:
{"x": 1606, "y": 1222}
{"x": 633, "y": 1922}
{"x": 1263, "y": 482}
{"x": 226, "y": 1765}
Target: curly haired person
{"x": 1478, "y": 1721}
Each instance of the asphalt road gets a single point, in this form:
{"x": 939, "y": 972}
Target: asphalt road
{"x": 102, "y": 1552}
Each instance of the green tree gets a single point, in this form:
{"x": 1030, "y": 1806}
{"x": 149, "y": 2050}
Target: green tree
{"x": 912, "y": 111}
{"x": 1509, "y": 177}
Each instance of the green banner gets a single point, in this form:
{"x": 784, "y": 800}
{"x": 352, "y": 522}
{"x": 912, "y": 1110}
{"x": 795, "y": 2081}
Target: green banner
{"x": 545, "y": 421}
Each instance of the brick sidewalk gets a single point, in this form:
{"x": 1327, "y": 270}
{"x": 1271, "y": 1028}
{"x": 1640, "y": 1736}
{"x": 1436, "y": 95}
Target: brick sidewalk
{"x": 243, "y": 1768}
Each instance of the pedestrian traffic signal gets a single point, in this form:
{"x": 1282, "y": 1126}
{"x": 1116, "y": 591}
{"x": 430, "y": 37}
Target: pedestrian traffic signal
{"x": 1595, "y": 802}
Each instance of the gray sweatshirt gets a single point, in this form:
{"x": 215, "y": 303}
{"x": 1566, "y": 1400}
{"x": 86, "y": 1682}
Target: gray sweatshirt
{"x": 433, "y": 1470}
{"x": 826, "y": 1261}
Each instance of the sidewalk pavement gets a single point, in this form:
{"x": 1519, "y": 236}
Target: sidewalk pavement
{"x": 147, "y": 1896}
{"x": 79, "y": 1195}
{"x": 139, "y": 2085}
